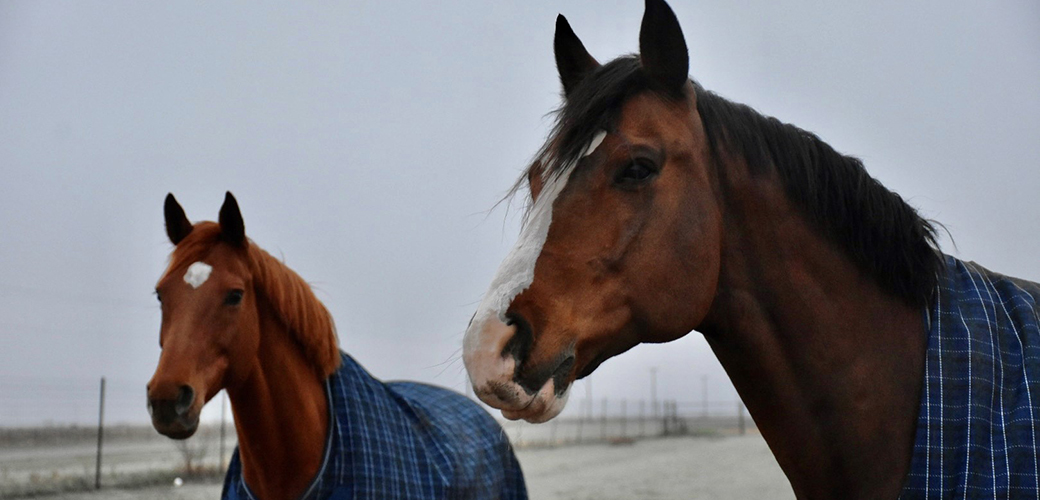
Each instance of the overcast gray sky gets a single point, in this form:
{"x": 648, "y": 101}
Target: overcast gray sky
{"x": 366, "y": 142}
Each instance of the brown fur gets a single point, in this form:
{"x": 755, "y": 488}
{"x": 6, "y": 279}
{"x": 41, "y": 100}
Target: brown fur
{"x": 290, "y": 296}
{"x": 826, "y": 351}
{"x": 272, "y": 350}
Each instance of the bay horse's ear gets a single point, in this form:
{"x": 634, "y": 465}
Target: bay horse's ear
{"x": 177, "y": 224}
{"x": 662, "y": 47}
{"x": 572, "y": 60}
{"x": 232, "y": 229}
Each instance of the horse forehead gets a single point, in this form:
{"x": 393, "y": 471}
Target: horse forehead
{"x": 650, "y": 114}
{"x": 197, "y": 274}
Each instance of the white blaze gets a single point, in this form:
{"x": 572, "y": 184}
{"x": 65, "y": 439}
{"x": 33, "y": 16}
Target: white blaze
{"x": 516, "y": 272}
{"x": 491, "y": 373}
{"x": 197, "y": 274}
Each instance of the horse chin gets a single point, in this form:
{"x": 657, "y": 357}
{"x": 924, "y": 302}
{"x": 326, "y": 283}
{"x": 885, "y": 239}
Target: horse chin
{"x": 181, "y": 428}
{"x": 544, "y": 406}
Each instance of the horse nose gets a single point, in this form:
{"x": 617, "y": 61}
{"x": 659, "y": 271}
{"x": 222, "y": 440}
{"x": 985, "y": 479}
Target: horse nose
{"x": 185, "y": 397}
{"x": 166, "y": 409}
{"x": 519, "y": 345}
{"x": 532, "y": 374}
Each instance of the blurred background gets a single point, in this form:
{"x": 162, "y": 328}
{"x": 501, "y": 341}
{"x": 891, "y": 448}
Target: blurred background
{"x": 368, "y": 142}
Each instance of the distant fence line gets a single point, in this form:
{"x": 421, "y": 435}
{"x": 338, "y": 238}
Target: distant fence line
{"x": 35, "y": 460}
{"x": 44, "y": 401}
{"x": 92, "y": 452}
{"x": 605, "y": 420}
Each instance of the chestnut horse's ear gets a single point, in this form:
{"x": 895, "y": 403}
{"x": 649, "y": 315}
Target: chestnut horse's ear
{"x": 232, "y": 229}
{"x": 177, "y": 224}
{"x": 572, "y": 60}
{"x": 662, "y": 47}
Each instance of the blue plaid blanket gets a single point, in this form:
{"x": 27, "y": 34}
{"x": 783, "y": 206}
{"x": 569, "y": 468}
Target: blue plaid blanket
{"x": 404, "y": 440}
{"x": 977, "y": 434}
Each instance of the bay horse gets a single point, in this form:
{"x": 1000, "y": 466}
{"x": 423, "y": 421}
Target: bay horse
{"x": 874, "y": 365}
{"x": 311, "y": 422}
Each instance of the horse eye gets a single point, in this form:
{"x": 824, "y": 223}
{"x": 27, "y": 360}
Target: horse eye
{"x": 158, "y": 296}
{"x": 635, "y": 172}
{"x": 233, "y": 298}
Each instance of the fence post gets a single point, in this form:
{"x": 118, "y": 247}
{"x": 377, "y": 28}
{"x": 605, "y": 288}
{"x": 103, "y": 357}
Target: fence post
{"x": 704, "y": 396}
{"x": 664, "y": 418}
{"x": 653, "y": 391}
{"x": 642, "y": 418}
{"x": 100, "y": 435}
{"x": 581, "y": 418}
{"x": 603, "y": 421}
{"x": 740, "y": 416}
{"x": 624, "y": 418}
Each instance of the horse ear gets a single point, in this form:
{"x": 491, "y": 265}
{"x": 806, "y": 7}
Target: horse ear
{"x": 232, "y": 229}
{"x": 662, "y": 47}
{"x": 572, "y": 60}
{"x": 177, "y": 224}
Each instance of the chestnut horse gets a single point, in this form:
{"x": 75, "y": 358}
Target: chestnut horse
{"x": 311, "y": 422}
{"x": 659, "y": 208}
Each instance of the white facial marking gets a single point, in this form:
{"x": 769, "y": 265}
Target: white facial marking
{"x": 516, "y": 272}
{"x": 197, "y": 274}
{"x": 485, "y": 336}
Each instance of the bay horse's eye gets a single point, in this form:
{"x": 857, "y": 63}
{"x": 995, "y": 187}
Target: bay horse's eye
{"x": 233, "y": 298}
{"x": 158, "y": 296}
{"x": 636, "y": 172}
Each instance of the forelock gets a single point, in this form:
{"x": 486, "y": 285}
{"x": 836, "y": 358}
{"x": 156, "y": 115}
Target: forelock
{"x": 592, "y": 106}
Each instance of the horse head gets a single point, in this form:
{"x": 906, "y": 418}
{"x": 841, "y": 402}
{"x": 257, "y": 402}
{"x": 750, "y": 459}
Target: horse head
{"x": 621, "y": 244}
{"x": 209, "y": 317}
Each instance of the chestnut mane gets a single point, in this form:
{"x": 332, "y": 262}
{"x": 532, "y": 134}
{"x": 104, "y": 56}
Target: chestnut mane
{"x": 291, "y": 298}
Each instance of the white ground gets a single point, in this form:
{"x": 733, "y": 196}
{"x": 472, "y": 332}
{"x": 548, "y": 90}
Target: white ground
{"x": 728, "y": 468}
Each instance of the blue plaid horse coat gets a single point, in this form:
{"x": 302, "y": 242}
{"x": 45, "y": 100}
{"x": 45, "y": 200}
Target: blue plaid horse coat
{"x": 403, "y": 440}
{"x": 977, "y": 434}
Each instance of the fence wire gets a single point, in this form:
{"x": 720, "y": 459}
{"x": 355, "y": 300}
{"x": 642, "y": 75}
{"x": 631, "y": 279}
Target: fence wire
{"x": 62, "y": 454}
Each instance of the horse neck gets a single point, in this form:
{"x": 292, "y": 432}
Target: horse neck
{"x": 828, "y": 364}
{"x": 281, "y": 415}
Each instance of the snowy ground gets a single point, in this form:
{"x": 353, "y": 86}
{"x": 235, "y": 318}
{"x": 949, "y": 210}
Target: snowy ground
{"x": 723, "y": 468}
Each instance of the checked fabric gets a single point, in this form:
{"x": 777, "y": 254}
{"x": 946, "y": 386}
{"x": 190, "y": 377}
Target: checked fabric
{"x": 977, "y": 434}
{"x": 404, "y": 440}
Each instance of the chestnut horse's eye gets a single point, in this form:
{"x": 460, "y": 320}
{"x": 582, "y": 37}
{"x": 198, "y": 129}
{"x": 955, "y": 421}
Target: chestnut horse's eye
{"x": 638, "y": 171}
{"x": 233, "y": 298}
{"x": 158, "y": 296}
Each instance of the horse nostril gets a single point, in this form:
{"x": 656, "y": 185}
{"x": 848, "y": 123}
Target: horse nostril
{"x": 185, "y": 397}
{"x": 520, "y": 344}
{"x": 559, "y": 376}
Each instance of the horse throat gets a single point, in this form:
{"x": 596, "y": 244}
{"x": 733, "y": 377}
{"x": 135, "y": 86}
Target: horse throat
{"x": 281, "y": 415}
{"x": 829, "y": 365}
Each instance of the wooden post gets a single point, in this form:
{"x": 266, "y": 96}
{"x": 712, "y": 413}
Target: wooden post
{"x": 704, "y": 396}
{"x": 581, "y": 418}
{"x": 100, "y": 435}
{"x": 653, "y": 392}
{"x": 603, "y": 421}
{"x": 642, "y": 418}
{"x": 624, "y": 404}
{"x": 740, "y": 416}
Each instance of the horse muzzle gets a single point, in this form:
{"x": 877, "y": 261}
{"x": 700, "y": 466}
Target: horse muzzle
{"x": 494, "y": 353}
{"x": 174, "y": 417}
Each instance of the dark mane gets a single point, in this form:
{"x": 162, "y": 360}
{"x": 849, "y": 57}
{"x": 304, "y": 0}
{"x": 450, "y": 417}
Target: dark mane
{"x": 883, "y": 235}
